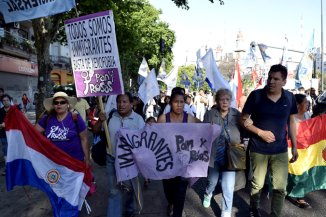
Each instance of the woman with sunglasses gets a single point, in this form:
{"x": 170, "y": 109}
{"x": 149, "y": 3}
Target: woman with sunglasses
{"x": 63, "y": 128}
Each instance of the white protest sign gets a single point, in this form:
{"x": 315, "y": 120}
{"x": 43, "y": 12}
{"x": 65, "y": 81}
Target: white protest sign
{"x": 94, "y": 54}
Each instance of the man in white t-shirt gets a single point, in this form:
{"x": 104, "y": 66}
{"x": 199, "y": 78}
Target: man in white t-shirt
{"x": 189, "y": 102}
{"x": 200, "y": 103}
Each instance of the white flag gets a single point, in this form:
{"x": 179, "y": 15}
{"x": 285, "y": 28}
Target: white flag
{"x": 213, "y": 75}
{"x": 198, "y": 54}
{"x": 149, "y": 88}
{"x": 284, "y": 53}
{"x": 111, "y": 104}
{"x": 161, "y": 73}
{"x": 233, "y": 88}
{"x": 143, "y": 71}
{"x": 171, "y": 79}
{"x": 305, "y": 68}
{"x": 15, "y": 11}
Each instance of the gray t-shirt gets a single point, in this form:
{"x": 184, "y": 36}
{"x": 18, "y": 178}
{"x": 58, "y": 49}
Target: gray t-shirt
{"x": 134, "y": 121}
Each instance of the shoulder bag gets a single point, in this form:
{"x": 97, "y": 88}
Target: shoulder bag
{"x": 235, "y": 155}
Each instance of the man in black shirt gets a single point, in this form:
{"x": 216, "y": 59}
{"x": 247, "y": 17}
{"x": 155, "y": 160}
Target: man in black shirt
{"x": 266, "y": 115}
{"x": 3, "y": 138}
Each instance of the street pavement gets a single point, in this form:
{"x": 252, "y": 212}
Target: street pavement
{"x": 30, "y": 202}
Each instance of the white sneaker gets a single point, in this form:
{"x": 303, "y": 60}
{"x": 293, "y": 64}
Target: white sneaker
{"x": 226, "y": 214}
{"x": 207, "y": 201}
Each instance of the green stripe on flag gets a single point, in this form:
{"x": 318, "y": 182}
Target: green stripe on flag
{"x": 311, "y": 180}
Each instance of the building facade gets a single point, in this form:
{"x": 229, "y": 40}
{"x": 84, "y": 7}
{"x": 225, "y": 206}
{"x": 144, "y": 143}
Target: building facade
{"x": 18, "y": 67}
{"x": 18, "y": 61}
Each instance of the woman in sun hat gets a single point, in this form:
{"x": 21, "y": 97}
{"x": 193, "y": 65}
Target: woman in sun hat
{"x": 65, "y": 129}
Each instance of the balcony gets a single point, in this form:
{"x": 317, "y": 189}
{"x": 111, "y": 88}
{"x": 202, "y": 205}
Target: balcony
{"x": 60, "y": 62}
{"x": 18, "y": 46}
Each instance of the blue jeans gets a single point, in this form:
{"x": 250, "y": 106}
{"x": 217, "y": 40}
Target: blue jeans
{"x": 227, "y": 182}
{"x": 4, "y": 146}
{"x": 118, "y": 197}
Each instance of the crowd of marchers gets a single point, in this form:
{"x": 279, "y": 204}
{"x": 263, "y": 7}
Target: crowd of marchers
{"x": 265, "y": 118}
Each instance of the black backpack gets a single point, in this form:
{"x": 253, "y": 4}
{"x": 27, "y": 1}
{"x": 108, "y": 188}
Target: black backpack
{"x": 98, "y": 151}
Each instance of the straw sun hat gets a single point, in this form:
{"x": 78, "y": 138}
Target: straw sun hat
{"x": 48, "y": 103}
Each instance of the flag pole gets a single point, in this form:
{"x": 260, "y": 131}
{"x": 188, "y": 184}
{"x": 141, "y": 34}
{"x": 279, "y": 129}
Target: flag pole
{"x": 322, "y": 46}
{"x": 105, "y": 125}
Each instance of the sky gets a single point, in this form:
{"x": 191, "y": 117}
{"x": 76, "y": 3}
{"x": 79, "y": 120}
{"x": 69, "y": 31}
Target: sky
{"x": 262, "y": 21}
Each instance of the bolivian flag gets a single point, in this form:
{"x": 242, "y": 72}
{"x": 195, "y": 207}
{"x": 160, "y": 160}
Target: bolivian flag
{"x": 308, "y": 173}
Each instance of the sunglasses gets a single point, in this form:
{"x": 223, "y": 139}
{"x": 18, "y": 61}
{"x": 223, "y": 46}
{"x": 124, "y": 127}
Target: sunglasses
{"x": 59, "y": 102}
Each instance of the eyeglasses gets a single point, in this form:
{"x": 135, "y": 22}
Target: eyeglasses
{"x": 59, "y": 102}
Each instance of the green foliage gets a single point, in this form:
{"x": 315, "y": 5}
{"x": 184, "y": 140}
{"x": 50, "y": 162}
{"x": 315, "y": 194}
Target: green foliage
{"x": 184, "y": 3}
{"x": 318, "y": 73}
{"x": 190, "y": 71}
{"x": 10, "y": 40}
{"x": 247, "y": 83}
{"x": 138, "y": 32}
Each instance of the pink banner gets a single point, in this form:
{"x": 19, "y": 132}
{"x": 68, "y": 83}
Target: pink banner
{"x": 162, "y": 151}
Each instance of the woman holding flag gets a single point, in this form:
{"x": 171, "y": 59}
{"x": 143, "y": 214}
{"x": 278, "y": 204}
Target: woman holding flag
{"x": 175, "y": 189}
{"x": 63, "y": 128}
{"x": 302, "y": 105}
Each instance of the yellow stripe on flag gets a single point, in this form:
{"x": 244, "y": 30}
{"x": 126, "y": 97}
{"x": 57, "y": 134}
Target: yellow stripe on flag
{"x": 314, "y": 155}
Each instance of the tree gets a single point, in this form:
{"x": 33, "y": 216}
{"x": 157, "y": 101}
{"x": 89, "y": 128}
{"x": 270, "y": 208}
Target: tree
{"x": 45, "y": 29}
{"x": 184, "y": 3}
{"x": 138, "y": 32}
{"x": 189, "y": 71}
{"x": 318, "y": 73}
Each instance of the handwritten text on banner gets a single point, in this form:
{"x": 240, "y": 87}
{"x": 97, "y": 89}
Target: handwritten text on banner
{"x": 161, "y": 151}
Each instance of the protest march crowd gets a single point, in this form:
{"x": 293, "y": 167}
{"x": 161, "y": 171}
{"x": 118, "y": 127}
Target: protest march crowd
{"x": 176, "y": 139}
{"x": 269, "y": 135}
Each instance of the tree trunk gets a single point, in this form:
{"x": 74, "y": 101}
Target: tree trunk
{"x": 44, "y": 84}
{"x": 45, "y": 30}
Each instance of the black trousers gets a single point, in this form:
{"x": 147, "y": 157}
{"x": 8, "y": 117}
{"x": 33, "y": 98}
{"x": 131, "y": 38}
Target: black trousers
{"x": 175, "y": 192}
